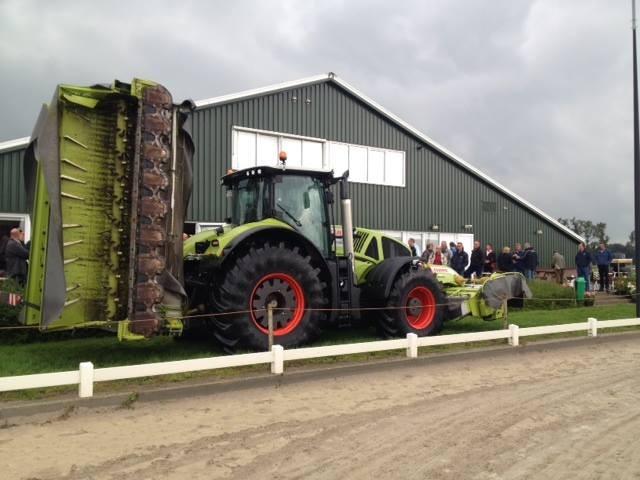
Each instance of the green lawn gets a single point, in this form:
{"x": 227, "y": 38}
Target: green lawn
{"x": 64, "y": 352}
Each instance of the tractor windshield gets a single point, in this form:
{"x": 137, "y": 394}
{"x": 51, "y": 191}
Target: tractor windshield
{"x": 250, "y": 201}
{"x": 299, "y": 201}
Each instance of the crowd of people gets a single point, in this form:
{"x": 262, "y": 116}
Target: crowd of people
{"x": 481, "y": 261}
{"x": 601, "y": 258}
{"x": 522, "y": 258}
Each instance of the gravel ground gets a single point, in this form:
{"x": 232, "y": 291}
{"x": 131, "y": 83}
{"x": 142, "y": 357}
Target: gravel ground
{"x": 572, "y": 412}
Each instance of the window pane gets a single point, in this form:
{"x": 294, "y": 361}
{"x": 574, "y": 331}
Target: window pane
{"x": 300, "y": 203}
{"x": 357, "y": 163}
{"x": 245, "y": 150}
{"x": 339, "y": 158}
{"x": 394, "y": 168}
{"x": 311, "y": 154}
{"x": 267, "y": 150}
{"x": 293, "y": 147}
{"x": 376, "y": 166}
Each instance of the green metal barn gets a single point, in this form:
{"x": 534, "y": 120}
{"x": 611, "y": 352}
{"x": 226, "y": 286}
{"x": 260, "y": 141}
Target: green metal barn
{"x": 402, "y": 181}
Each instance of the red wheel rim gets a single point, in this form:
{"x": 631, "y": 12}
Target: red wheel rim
{"x": 287, "y": 293}
{"x": 421, "y": 308}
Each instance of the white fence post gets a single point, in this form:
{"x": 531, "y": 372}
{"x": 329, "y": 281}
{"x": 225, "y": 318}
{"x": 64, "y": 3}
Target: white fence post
{"x": 412, "y": 345}
{"x": 85, "y": 388}
{"x": 277, "y": 365}
{"x": 593, "y": 327}
{"x": 514, "y": 339}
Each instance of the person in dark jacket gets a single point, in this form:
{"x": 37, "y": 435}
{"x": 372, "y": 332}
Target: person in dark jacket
{"x": 518, "y": 259}
{"x": 505, "y": 260}
{"x": 477, "y": 261}
{"x": 489, "y": 259}
{"x": 460, "y": 259}
{"x": 603, "y": 259}
{"x": 16, "y": 256}
{"x": 530, "y": 261}
{"x": 583, "y": 264}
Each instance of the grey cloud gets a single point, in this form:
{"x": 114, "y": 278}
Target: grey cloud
{"x": 536, "y": 94}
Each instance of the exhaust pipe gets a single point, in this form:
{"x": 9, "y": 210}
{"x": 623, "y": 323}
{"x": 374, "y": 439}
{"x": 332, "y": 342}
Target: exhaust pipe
{"x": 347, "y": 222}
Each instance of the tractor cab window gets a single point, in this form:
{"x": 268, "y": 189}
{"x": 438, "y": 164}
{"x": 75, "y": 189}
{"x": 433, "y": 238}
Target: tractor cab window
{"x": 250, "y": 201}
{"x": 299, "y": 201}
{"x": 391, "y": 248}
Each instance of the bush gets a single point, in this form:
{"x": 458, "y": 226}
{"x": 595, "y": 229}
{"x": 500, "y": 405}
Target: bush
{"x": 624, "y": 286}
{"x": 549, "y": 296}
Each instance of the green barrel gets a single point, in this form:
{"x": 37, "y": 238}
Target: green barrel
{"x": 580, "y": 289}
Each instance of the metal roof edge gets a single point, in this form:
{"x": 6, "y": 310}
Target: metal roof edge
{"x": 13, "y": 144}
{"x": 262, "y": 90}
{"x": 452, "y": 156}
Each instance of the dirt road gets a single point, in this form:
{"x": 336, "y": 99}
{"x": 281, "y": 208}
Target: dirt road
{"x": 572, "y": 412}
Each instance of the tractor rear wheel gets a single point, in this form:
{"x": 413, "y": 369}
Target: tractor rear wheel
{"x": 415, "y": 305}
{"x": 266, "y": 274}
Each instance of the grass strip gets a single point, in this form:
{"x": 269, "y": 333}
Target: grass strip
{"x": 65, "y": 352}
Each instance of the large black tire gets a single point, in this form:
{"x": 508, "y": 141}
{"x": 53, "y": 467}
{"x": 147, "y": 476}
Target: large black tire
{"x": 416, "y": 305}
{"x": 261, "y": 274}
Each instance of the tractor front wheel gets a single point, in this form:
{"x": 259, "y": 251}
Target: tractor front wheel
{"x": 277, "y": 275}
{"x": 415, "y": 305}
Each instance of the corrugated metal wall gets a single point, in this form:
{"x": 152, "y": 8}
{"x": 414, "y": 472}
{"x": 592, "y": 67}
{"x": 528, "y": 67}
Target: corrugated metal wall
{"x": 437, "y": 190}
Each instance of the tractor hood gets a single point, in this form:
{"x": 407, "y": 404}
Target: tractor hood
{"x": 215, "y": 242}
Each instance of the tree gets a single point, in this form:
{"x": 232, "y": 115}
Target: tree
{"x": 593, "y": 233}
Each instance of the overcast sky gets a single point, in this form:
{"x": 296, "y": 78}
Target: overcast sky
{"x": 537, "y": 94}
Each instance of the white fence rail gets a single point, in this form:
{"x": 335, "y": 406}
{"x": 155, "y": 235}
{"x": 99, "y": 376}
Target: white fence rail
{"x": 86, "y": 375}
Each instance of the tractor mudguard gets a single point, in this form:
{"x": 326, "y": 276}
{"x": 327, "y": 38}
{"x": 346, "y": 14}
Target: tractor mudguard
{"x": 381, "y": 277}
{"x": 269, "y": 233}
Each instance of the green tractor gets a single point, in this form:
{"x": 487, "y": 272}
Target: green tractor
{"x": 280, "y": 250}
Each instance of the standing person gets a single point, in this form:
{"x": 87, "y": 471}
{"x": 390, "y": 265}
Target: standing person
{"x": 460, "y": 259}
{"x": 427, "y": 256}
{"x": 603, "y": 259}
{"x": 413, "y": 248}
{"x": 505, "y": 260}
{"x": 518, "y": 259}
{"x": 452, "y": 248}
{"x": 477, "y": 261}
{"x": 530, "y": 261}
{"x": 489, "y": 259}
{"x": 583, "y": 264}
{"x": 16, "y": 256}
{"x": 558, "y": 264}
{"x": 446, "y": 253}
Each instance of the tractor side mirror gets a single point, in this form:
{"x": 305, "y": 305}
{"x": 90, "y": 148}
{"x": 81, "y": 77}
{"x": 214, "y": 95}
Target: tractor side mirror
{"x": 306, "y": 200}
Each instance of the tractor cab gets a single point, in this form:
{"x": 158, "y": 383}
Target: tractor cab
{"x": 298, "y": 197}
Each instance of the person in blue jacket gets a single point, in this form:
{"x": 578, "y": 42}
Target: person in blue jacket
{"x": 460, "y": 259}
{"x": 583, "y": 264}
{"x": 603, "y": 259}
{"x": 530, "y": 261}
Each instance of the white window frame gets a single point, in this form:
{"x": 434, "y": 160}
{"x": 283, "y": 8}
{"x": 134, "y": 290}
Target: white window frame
{"x": 369, "y": 149}
{"x": 326, "y": 153}
{"x": 280, "y": 136}
{"x": 23, "y": 219}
